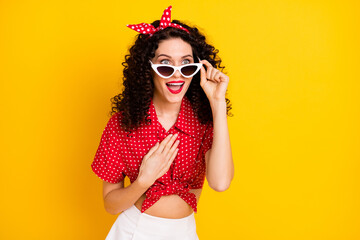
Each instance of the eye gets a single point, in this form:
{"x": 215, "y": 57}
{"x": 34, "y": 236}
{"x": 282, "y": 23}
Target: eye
{"x": 165, "y": 61}
{"x": 186, "y": 61}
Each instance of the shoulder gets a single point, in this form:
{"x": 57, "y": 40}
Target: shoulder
{"x": 114, "y": 123}
{"x": 115, "y": 118}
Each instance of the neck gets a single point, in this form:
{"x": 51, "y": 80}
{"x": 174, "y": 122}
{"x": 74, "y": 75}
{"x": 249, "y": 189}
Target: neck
{"x": 165, "y": 108}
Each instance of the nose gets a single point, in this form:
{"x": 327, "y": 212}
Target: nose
{"x": 177, "y": 74}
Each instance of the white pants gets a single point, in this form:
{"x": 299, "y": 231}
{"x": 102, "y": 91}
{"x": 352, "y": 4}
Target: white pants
{"x": 134, "y": 225}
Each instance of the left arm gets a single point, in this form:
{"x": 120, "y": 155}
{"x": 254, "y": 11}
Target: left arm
{"x": 219, "y": 162}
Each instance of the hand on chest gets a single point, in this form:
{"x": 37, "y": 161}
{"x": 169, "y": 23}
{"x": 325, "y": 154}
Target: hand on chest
{"x": 138, "y": 145}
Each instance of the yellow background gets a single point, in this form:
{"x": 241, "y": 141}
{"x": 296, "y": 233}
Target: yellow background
{"x": 295, "y": 134}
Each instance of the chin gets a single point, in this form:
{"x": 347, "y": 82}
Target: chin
{"x": 174, "y": 99}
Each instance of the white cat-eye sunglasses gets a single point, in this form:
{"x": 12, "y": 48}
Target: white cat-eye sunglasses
{"x": 166, "y": 71}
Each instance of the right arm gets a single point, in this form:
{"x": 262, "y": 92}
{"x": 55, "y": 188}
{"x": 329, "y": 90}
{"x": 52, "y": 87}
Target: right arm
{"x": 154, "y": 165}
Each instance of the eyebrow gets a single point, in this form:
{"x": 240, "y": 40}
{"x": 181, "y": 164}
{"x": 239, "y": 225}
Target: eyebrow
{"x": 171, "y": 57}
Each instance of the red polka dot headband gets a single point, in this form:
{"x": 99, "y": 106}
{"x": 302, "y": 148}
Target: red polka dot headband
{"x": 165, "y": 22}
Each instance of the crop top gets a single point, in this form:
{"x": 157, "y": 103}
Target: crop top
{"x": 120, "y": 154}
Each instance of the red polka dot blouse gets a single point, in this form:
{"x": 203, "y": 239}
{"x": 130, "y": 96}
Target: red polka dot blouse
{"x": 120, "y": 154}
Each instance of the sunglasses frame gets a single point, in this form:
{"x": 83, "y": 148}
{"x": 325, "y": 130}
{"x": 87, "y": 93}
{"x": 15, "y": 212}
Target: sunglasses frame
{"x": 155, "y": 66}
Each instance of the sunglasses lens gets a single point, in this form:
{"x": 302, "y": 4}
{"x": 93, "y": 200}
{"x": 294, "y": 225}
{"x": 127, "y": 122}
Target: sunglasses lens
{"x": 188, "y": 70}
{"x": 165, "y": 71}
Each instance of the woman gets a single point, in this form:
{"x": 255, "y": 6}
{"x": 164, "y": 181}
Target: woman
{"x": 168, "y": 131}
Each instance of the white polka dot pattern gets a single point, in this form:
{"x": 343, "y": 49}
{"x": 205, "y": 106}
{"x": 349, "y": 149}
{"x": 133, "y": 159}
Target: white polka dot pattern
{"x": 165, "y": 22}
{"x": 120, "y": 153}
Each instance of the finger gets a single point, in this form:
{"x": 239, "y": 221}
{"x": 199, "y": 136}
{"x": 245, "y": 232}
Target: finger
{"x": 224, "y": 78}
{"x": 152, "y": 150}
{"x": 203, "y": 76}
{"x": 171, "y": 160}
{"x": 209, "y": 72}
{"x": 167, "y": 164}
{"x": 209, "y": 68}
{"x": 206, "y": 63}
{"x": 164, "y": 142}
{"x": 169, "y": 144}
{"x": 173, "y": 148}
{"x": 217, "y": 76}
{"x": 213, "y": 73}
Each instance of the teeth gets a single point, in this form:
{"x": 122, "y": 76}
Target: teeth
{"x": 175, "y": 84}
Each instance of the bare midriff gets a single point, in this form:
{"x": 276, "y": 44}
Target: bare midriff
{"x": 169, "y": 206}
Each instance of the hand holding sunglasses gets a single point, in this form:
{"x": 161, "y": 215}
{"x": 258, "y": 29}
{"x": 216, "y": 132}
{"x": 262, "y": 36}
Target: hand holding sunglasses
{"x": 213, "y": 82}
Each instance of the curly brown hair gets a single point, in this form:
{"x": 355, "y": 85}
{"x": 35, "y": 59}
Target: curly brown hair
{"x": 134, "y": 101}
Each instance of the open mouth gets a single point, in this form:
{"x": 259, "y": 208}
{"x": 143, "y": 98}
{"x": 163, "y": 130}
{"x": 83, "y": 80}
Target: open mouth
{"x": 175, "y": 87}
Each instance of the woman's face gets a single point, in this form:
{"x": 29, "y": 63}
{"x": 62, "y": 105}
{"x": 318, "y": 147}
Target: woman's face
{"x": 174, "y": 52}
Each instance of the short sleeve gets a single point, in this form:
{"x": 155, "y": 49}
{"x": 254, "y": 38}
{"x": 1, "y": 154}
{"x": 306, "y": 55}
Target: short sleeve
{"x": 108, "y": 164}
{"x": 208, "y": 137}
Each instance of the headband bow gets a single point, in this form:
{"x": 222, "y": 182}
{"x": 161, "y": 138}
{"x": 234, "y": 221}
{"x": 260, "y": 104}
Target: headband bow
{"x": 165, "y": 22}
